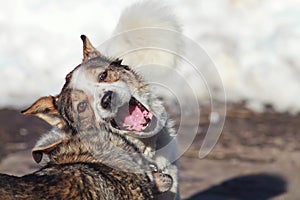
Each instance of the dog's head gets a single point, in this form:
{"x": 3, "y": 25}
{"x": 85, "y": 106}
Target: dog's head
{"x": 102, "y": 92}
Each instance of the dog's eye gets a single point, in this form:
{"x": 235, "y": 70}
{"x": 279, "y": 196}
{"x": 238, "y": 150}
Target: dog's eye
{"x": 102, "y": 76}
{"x": 81, "y": 107}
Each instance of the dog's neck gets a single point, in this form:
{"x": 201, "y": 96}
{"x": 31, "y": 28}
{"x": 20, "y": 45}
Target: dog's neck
{"x": 99, "y": 146}
{"x": 71, "y": 150}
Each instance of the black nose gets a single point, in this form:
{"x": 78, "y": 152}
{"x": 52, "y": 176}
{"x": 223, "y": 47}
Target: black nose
{"x": 106, "y": 100}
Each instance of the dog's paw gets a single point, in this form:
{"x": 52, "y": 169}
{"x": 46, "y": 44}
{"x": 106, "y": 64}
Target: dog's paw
{"x": 163, "y": 182}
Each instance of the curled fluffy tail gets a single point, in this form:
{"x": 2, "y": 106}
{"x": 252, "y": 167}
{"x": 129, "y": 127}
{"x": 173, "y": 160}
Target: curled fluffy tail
{"x": 147, "y": 33}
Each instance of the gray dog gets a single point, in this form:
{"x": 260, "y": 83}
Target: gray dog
{"x": 86, "y": 161}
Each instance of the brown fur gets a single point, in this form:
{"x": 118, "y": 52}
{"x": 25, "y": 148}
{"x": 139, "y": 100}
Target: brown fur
{"x": 75, "y": 111}
{"x": 85, "y": 161}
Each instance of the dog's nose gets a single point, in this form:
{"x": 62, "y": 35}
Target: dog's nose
{"x": 106, "y": 100}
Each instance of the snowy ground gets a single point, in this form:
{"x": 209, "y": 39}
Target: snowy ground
{"x": 254, "y": 44}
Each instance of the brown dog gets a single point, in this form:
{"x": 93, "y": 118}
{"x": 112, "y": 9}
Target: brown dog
{"x": 111, "y": 96}
{"x": 85, "y": 160}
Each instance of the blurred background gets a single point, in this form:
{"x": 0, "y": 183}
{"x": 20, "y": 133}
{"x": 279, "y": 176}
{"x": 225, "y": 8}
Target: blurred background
{"x": 252, "y": 42}
{"x": 254, "y": 45}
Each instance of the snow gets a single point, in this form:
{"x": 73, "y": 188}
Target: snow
{"x": 254, "y": 44}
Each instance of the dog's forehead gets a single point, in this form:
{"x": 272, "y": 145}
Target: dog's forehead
{"x": 94, "y": 66}
{"x": 96, "y": 63}
{"x": 83, "y": 77}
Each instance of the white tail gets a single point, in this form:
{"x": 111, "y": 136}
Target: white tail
{"x": 145, "y": 34}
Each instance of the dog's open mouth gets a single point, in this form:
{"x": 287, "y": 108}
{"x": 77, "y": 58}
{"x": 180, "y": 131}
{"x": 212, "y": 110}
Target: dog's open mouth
{"x": 134, "y": 116}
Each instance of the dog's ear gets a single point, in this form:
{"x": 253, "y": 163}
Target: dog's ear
{"x": 46, "y": 109}
{"x": 45, "y": 147}
{"x": 88, "y": 50}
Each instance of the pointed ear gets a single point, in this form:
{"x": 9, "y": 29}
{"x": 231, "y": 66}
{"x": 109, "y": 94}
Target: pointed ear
{"x": 37, "y": 152}
{"x": 88, "y": 50}
{"x": 46, "y": 109}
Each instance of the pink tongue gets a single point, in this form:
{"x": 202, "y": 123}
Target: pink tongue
{"x": 136, "y": 120}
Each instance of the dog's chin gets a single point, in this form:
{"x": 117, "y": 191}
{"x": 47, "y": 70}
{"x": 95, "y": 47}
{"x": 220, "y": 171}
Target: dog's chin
{"x": 135, "y": 119}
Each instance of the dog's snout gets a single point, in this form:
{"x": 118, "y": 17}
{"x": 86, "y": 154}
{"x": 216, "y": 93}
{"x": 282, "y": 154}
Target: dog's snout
{"x": 106, "y": 100}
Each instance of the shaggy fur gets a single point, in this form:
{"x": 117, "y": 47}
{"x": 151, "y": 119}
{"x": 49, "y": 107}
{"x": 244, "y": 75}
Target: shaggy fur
{"x": 113, "y": 91}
